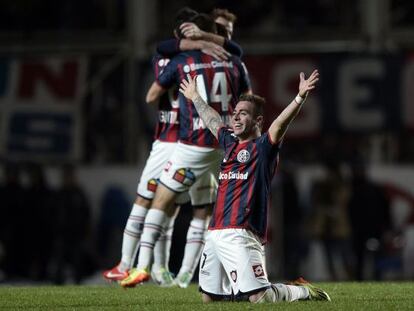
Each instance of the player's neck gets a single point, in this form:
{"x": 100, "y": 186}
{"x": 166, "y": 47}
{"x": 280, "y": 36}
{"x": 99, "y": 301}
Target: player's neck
{"x": 243, "y": 138}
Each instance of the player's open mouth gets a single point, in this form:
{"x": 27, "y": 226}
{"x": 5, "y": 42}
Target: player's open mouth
{"x": 238, "y": 126}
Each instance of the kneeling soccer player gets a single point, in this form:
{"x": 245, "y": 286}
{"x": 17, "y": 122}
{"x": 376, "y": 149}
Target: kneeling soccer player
{"x": 233, "y": 260}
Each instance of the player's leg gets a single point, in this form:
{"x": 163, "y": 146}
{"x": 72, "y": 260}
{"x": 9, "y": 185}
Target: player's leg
{"x": 203, "y": 194}
{"x": 214, "y": 284}
{"x": 250, "y": 278}
{"x": 302, "y": 290}
{"x": 147, "y": 185}
{"x": 194, "y": 245}
{"x": 157, "y": 219}
{"x": 160, "y": 272}
{"x": 130, "y": 240}
{"x": 186, "y": 164}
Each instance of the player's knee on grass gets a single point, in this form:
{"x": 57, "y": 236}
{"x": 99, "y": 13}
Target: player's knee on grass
{"x": 211, "y": 298}
{"x": 206, "y": 298}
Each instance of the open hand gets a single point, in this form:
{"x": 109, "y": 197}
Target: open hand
{"x": 191, "y": 31}
{"x": 189, "y": 88}
{"x": 305, "y": 85}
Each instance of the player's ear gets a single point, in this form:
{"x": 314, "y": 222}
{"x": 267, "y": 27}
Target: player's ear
{"x": 259, "y": 122}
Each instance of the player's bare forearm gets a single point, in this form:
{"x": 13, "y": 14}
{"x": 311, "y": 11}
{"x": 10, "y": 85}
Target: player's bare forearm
{"x": 154, "y": 93}
{"x": 210, "y": 117}
{"x": 280, "y": 125}
{"x": 208, "y": 36}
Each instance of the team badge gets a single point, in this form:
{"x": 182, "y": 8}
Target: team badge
{"x": 152, "y": 185}
{"x": 233, "y": 275}
{"x": 243, "y": 156}
{"x": 258, "y": 270}
{"x": 184, "y": 176}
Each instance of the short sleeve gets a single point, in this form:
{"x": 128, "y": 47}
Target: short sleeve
{"x": 158, "y": 64}
{"x": 169, "y": 48}
{"x": 268, "y": 146}
{"x": 167, "y": 77}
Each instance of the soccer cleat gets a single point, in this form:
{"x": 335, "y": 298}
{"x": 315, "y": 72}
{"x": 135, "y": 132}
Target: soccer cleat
{"x": 115, "y": 274}
{"x": 163, "y": 277}
{"x": 315, "y": 293}
{"x": 183, "y": 280}
{"x": 135, "y": 277}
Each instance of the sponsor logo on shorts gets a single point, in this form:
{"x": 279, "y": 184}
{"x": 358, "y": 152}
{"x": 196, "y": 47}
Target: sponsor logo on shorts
{"x": 152, "y": 185}
{"x": 243, "y": 156}
{"x": 233, "y": 175}
{"x": 204, "y": 272}
{"x": 233, "y": 275}
{"x": 258, "y": 270}
{"x": 184, "y": 176}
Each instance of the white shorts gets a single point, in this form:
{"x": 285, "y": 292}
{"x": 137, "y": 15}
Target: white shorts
{"x": 232, "y": 263}
{"x": 195, "y": 168}
{"x": 158, "y": 158}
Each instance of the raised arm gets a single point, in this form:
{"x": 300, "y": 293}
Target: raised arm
{"x": 280, "y": 125}
{"x": 210, "y": 117}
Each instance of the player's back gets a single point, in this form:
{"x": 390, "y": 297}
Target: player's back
{"x": 167, "y": 127}
{"x": 220, "y": 83}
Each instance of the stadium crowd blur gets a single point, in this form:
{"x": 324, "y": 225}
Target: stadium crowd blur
{"x": 51, "y": 233}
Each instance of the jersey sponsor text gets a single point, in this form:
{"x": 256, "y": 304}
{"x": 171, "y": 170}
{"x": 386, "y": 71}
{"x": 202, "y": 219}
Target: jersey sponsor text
{"x": 233, "y": 175}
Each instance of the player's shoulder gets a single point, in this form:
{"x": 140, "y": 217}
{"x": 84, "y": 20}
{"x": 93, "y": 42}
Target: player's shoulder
{"x": 160, "y": 60}
{"x": 227, "y": 132}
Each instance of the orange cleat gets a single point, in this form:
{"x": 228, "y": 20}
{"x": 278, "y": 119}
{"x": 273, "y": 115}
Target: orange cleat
{"x": 115, "y": 274}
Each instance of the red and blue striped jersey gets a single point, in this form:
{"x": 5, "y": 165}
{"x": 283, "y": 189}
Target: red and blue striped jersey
{"x": 246, "y": 172}
{"x": 220, "y": 83}
{"x": 167, "y": 128}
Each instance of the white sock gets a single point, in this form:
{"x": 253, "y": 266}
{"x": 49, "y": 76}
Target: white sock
{"x": 132, "y": 235}
{"x": 161, "y": 249}
{"x": 169, "y": 234}
{"x": 194, "y": 245}
{"x": 153, "y": 228}
{"x": 289, "y": 293}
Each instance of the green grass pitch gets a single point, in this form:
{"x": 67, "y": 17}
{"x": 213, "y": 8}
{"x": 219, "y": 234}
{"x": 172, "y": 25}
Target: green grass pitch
{"x": 345, "y": 296}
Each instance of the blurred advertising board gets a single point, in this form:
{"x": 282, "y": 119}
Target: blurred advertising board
{"x": 40, "y": 101}
{"x": 356, "y": 92}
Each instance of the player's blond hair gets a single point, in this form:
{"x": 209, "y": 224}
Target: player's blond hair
{"x": 226, "y": 14}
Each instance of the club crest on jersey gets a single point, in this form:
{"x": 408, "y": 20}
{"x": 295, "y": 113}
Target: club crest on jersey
{"x": 152, "y": 185}
{"x": 243, "y": 156}
{"x": 184, "y": 176}
{"x": 233, "y": 275}
{"x": 258, "y": 270}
